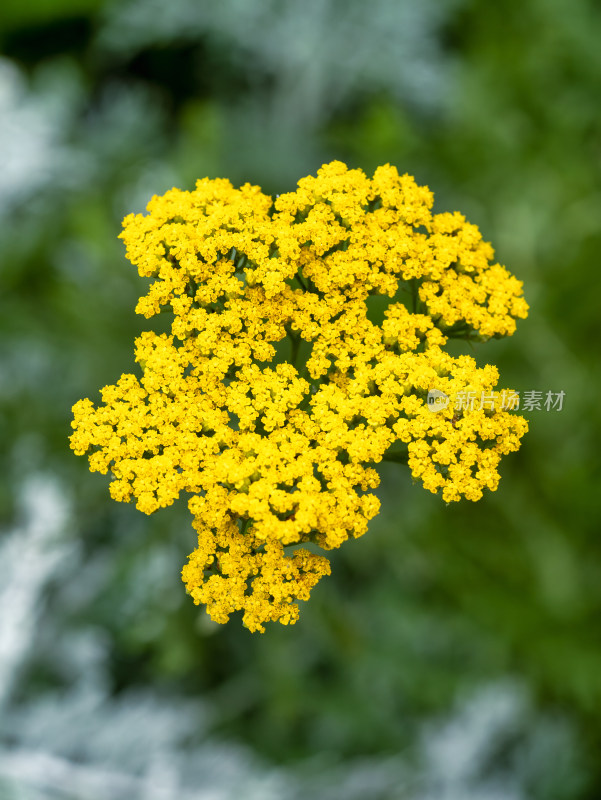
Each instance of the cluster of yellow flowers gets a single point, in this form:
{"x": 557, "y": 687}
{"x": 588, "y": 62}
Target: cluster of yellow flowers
{"x": 275, "y": 455}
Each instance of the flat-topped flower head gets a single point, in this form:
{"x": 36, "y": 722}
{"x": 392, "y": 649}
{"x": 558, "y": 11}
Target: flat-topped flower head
{"x": 275, "y": 455}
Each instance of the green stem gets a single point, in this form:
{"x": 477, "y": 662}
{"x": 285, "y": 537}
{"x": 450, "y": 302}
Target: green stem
{"x": 414, "y": 294}
{"x": 295, "y": 345}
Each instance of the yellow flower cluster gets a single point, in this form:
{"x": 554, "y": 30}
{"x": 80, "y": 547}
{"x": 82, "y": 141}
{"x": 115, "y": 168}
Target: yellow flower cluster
{"x": 275, "y": 457}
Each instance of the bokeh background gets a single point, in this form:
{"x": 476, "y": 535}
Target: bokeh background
{"x": 455, "y": 652}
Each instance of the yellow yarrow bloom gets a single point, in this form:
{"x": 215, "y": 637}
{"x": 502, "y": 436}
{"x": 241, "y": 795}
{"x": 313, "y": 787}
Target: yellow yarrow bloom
{"x": 273, "y": 456}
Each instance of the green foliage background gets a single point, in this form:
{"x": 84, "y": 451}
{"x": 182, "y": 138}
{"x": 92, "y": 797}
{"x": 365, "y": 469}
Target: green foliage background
{"x": 434, "y": 601}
